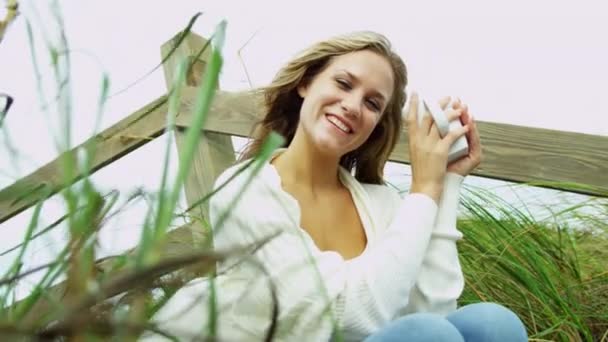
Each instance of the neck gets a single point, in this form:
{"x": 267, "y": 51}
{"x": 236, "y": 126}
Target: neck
{"x": 302, "y": 166}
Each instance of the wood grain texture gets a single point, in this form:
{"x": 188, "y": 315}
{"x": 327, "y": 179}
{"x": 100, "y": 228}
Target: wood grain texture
{"x": 116, "y": 141}
{"x": 535, "y": 155}
{"x": 232, "y": 113}
{"x": 215, "y": 151}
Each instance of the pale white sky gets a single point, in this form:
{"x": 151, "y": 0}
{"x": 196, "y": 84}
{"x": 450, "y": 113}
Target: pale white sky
{"x": 534, "y": 63}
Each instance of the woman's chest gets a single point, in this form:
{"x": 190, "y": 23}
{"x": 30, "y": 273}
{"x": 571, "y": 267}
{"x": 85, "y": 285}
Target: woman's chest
{"x": 333, "y": 223}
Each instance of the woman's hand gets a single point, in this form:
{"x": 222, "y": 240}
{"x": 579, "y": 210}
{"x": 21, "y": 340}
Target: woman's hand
{"x": 468, "y": 163}
{"x": 428, "y": 151}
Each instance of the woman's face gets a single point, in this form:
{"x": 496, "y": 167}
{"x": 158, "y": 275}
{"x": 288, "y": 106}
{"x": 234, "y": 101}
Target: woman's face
{"x": 342, "y": 104}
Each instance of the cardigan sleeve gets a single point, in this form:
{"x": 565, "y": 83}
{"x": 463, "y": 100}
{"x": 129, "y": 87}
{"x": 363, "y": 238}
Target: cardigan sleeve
{"x": 440, "y": 281}
{"x": 415, "y": 261}
{"x": 386, "y": 273}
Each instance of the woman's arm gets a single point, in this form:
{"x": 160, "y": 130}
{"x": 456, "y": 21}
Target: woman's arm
{"x": 440, "y": 281}
{"x": 415, "y": 259}
{"x": 380, "y": 279}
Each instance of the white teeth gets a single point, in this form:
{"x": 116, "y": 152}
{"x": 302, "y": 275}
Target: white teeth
{"x": 338, "y": 123}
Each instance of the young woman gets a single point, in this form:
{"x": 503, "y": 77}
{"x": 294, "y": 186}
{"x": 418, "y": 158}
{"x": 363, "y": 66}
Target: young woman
{"x": 348, "y": 258}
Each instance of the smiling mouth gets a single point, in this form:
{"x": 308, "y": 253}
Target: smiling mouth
{"x": 338, "y": 124}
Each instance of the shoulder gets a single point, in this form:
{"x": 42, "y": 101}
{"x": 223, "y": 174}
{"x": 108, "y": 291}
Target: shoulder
{"x": 245, "y": 186}
{"x": 229, "y": 186}
{"x": 231, "y": 182}
{"x": 233, "y": 174}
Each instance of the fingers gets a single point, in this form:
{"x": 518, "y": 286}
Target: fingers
{"x": 461, "y": 110}
{"x": 444, "y": 102}
{"x": 425, "y": 118}
{"x": 453, "y": 114}
{"x": 434, "y": 131}
{"x": 427, "y": 136}
{"x": 411, "y": 115}
{"x": 456, "y": 133}
{"x": 474, "y": 139}
{"x": 457, "y": 103}
{"x": 425, "y": 125}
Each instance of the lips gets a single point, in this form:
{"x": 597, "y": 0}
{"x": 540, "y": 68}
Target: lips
{"x": 342, "y": 121}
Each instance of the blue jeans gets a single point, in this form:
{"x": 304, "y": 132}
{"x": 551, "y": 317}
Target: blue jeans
{"x": 472, "y": 323}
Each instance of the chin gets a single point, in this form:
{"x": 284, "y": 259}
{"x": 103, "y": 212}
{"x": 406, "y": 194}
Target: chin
{"x": 331, "y": 148}
{"x": 329, "y": 145}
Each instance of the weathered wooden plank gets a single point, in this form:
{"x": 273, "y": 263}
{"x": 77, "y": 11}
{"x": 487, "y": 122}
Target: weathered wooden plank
{"x": 512, "y": 153}
{"x": 232, "y": 113}
{"x": 116, "y": 141}
{"x": 528, "y": 154}
{"x": 215, "y": 151}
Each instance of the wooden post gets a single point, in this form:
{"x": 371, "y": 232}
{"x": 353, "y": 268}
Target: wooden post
{"x": 215, "y": 151}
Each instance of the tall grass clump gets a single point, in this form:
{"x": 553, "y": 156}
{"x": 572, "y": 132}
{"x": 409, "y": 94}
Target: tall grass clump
{"x": 80, "y": 296}
{"x": 554, "y": 276}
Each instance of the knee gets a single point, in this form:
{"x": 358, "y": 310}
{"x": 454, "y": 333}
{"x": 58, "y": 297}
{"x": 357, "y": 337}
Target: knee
{"x": 488, "y": 322}
{"x": 420, "y": 327}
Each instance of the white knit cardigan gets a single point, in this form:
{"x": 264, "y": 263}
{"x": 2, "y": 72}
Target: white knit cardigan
{"x": 410, "y": 264}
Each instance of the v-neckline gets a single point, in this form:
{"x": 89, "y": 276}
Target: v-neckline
{"x": 349, "y": 184}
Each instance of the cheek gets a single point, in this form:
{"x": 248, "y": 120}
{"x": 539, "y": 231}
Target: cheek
{"x": 373, "y": 121}
{"x": 308, "y": 116}
{"x": 306, "y": 109}
{"x": 311, "y": 102}
{"x": 371, "y": 126}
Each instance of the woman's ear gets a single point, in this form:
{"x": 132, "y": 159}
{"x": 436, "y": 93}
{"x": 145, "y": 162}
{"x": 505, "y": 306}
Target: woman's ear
{"x": 302, "y": 89}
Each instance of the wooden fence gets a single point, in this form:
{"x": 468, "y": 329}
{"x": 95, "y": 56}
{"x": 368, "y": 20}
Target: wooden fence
{"x": 511, "y": 153}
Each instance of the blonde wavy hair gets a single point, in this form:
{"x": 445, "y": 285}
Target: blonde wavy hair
{"x": 282, "y": 102}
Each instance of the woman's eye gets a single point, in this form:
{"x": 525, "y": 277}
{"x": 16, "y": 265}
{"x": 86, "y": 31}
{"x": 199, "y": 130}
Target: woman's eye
{"x": 343, "y": 84}
{"x": 374, "y": 105}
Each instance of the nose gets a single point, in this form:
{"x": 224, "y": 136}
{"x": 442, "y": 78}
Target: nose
{"x": 351, "y": 105}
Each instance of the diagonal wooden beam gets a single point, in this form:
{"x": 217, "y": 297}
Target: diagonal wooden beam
{"x": 233, "y": 113}
{"x": 116, "y": 141}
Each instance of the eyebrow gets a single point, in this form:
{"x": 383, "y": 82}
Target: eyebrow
{"x": 374, "y": 92}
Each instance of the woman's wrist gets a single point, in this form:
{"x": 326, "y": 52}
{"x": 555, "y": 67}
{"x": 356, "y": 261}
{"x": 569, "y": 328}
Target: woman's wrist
{"x": 432, "y": 190}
